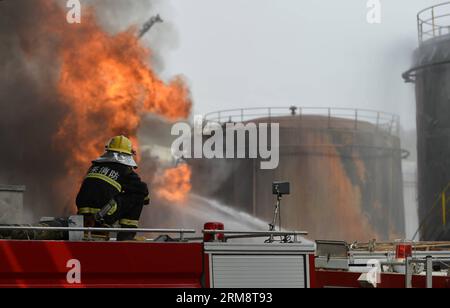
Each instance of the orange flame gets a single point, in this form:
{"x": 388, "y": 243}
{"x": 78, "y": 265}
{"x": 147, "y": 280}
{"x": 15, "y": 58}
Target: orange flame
{"x": 106, "y": 85}
{"x": 174, "y": 184}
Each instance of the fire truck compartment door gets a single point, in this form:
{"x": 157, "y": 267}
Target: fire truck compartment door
{"x": 258, "y": 271}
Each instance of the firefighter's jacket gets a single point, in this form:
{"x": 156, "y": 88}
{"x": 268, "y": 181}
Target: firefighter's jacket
{"x": 107, "y": 181}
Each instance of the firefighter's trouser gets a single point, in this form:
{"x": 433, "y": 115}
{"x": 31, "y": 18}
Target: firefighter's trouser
{"x": 126, "y": 211}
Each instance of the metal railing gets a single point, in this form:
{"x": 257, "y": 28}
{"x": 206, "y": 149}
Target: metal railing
{"x": 89, "y": 231}
{"x": 433, "y": 22}
{"x": 382, "y": 121}
{"x": 428, "y": 262}
{"x": 230, "y": 234}
{"x": 411, "y": 265}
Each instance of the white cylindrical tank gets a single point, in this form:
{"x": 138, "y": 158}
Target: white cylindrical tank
{"x": 410, "y": 198}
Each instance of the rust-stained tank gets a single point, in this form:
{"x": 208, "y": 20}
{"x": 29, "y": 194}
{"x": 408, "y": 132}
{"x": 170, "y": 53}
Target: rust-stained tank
{"x": 344, "y": 167}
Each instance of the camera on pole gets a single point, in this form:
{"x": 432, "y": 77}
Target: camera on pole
{"x": 279, "y": 189}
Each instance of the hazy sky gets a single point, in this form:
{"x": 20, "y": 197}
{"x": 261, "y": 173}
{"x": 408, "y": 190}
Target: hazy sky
{"x": 251, "y": 53}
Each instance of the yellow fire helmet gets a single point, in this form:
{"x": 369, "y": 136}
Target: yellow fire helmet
{"x": 120, "y": 144}
{"x": 119, "y": 150}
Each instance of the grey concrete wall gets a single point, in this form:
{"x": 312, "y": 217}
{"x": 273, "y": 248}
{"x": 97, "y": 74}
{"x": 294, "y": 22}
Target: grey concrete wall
{"x": 11, "y": 204}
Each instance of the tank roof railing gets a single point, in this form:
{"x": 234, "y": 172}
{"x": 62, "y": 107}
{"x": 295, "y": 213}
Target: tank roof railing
{"x": 382, "y": 121}
{"x": 433, "y": 22}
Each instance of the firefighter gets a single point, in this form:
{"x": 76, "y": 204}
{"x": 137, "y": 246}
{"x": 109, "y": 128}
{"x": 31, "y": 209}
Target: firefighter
{"x": 112, "y": 191}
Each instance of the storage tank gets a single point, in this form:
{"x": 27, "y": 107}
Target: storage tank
{"x": 344, "y": 166}
{"x": 431, "y": 74}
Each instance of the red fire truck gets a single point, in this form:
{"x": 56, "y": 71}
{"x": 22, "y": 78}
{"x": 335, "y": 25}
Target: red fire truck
{"x": 218, "y": 259}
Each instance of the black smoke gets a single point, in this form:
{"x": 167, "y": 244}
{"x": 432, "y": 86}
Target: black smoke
{"x": 30, "y": 111}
